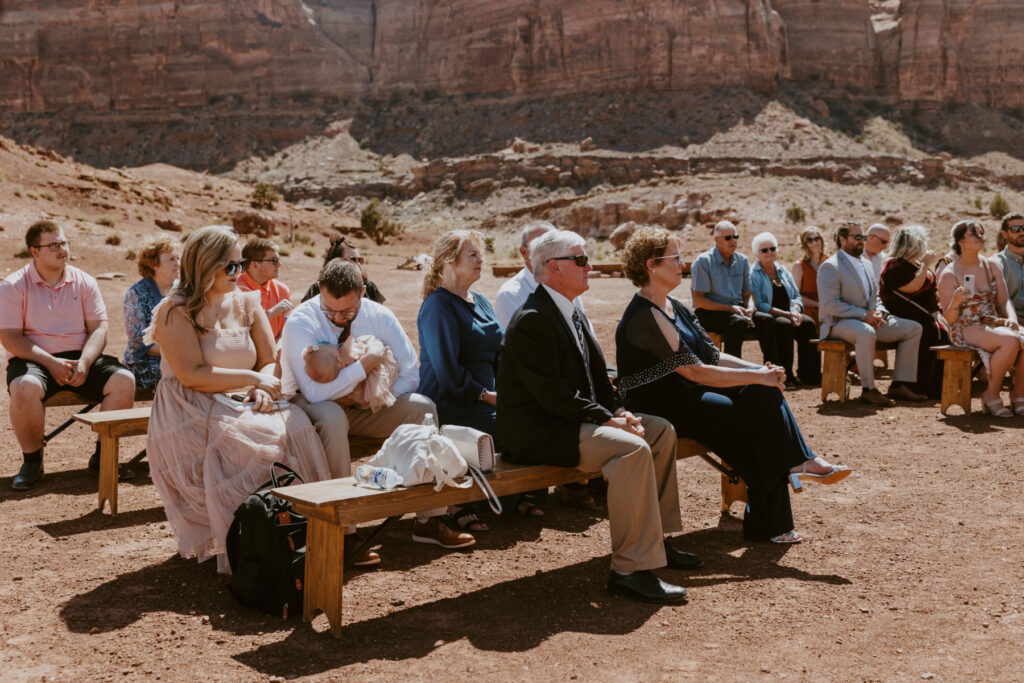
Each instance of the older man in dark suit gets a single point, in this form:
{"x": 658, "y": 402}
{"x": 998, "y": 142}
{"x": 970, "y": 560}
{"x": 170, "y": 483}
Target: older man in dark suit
{"x": 556, "y": 407}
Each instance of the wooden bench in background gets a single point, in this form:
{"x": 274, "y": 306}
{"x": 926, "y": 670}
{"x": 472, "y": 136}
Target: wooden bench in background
{"x": 957, "y": 370}
{"x": 834, "y": 379}
{"x": 332, "y": 505}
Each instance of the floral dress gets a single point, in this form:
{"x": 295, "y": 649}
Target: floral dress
{"x": 139, "y": 302}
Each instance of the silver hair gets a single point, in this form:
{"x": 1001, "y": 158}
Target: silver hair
{"x": 759, "y": 238}
{"x": 551, "y": 245}
{"x": 533, "y": 230}
{"x": 723, "y": 225}
{"x": 910, "y": 242}
{"x": 877, "y": 226}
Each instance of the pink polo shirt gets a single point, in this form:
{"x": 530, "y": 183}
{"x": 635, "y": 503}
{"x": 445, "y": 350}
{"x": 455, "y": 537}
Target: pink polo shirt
{"x": 52, "y": 316}
{"x": 271, "y": 292}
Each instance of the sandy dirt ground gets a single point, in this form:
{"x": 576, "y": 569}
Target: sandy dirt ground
{"x": 911, "y": 570}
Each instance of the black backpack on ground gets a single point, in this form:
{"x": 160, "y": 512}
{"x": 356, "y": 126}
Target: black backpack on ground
{"x": 266, "y": 546}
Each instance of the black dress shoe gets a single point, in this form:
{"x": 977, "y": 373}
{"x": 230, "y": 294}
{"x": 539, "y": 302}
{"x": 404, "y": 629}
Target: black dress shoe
{"x": 123, "y": 473}
{"x": 680, "y": 559}
{"x": 644, "y": 586}
{"x": 28, "y": 476}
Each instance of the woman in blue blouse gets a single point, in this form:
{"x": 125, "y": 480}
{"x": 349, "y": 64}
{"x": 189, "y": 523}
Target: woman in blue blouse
{"x": 780, "y": 315}
{"x": 158, "y": 266}
{"x": 459, "y": 341}
{"x": 669, "y": 367}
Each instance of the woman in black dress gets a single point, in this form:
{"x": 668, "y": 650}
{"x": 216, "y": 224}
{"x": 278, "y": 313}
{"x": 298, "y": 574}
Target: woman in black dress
{"x": 669, "y": 367}
{"x": 907, "y": 288}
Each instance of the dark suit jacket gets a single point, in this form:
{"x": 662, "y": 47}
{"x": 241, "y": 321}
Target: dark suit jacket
{"x": 542, "y": 386}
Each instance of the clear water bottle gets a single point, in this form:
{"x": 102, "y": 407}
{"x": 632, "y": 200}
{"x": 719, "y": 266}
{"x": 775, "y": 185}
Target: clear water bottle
{"x": 428, "y": 420}
{"x": 377, "y": 477}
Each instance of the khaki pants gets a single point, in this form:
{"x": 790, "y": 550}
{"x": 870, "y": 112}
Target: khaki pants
{"x": 334, "y": 424}
{"x": 643, "y": 494}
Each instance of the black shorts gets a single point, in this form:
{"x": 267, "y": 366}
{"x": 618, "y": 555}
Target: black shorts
{"x": 91, "y": 390}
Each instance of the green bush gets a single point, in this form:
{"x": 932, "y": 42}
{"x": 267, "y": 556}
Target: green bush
{"x": 998, "y": 207}
{"x": 113, "y": 239}
{"x": 376, "y": 227}
{"x": 264, "y": 196}
{"x": 489, "y": 245}
{"x": 795, "y": 214}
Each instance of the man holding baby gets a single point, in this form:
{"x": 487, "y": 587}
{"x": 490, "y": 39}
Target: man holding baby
{"x": 329, "y": 320}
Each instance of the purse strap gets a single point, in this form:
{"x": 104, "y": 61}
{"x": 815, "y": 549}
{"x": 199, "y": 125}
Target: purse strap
{"x": 481, "y": 480}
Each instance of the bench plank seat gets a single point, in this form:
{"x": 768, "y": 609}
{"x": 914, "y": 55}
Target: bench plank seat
{"x": 957, "y": 365}
{"x": 111, "y": 425}
{"x": 834, "y": 379}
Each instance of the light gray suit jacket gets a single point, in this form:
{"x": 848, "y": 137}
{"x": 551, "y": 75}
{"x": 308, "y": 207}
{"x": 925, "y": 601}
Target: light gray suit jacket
{"x": 841, "y": 292}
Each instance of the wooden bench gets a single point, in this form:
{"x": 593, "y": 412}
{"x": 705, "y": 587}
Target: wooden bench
{"x": 110, "y": 426}
{"x": 718, "y": 340}
{"x": 70, "y": 398}
{"x": 834, "y": 363}
{"x": 957, "y": 369}
{"x": 332, "y": 505}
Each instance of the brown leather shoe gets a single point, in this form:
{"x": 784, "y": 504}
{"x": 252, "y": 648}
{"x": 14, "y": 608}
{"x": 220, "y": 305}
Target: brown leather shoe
{"x": 874, "y": 397}
{"x": 369, "y": 557}
{"x": 901, "y": 392}
{"x": 575, "y": 498}
{"x": 435, "y": 531}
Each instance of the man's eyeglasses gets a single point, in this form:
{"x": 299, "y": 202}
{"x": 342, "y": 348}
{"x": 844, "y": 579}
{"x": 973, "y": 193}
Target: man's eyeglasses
{"x": 54, "y": 246}
{"x": 765, "y": 250}
{"x": 275, "y": 261}
{"x": 730, "y": 238}
{"x": 233, "y": 268}
{"x": 580, "y": 260}
{"x": 678, "y": 258}
{"x": 859, "y": 238}
{"x": 1015, "y": 228}
{"x": 331, "y": 313}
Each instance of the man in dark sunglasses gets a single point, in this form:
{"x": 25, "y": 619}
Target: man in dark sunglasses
{"x": 262, "y": 265}
{"x": 875, "y": 242}
{"x": 1011, "y": 258}
{"x": 721, "y": 289}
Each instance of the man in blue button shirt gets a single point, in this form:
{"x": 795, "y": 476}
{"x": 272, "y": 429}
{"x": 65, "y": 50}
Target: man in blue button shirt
{"x": 1011, "y": 259}
{"x": 721, "y": 289}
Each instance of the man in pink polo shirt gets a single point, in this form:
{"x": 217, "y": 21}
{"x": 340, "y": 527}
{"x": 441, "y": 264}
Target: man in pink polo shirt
{"x": 53, "y": 325}
{"x": 263, "y": 262}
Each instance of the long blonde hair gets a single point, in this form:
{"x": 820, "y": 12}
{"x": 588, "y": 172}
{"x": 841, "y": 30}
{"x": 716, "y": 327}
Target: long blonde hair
{"x": 203, "y": 254}
{"x": 446, "y": 250}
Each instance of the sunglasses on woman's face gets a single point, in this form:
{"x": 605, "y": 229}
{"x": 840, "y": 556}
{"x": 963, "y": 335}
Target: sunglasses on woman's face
{"x": 234, "y": 267}
{"x": 675, "y": 258}
{"x": 765, "y": 250}
{"x": 812, "y": 239}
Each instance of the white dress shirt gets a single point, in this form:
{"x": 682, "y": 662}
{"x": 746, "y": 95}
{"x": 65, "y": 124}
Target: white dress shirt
{"x": 861, "y": 269}
{"x": 513, "y": 294}
{"x": 307, "y": 325}
{"x": 567, "y": 308}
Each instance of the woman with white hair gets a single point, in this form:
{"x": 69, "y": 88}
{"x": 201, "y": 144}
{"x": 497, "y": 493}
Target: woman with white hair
{"x": 779, "y": 315}
{"x": 907, "y": 288}
{"x": 217, "y": 425}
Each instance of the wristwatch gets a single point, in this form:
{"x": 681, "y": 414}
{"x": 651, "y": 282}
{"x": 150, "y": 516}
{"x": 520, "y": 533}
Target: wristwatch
{"x": 482, "y": 396}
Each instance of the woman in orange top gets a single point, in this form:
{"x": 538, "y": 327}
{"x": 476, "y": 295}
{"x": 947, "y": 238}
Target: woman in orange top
{"x": 805, "y": 271}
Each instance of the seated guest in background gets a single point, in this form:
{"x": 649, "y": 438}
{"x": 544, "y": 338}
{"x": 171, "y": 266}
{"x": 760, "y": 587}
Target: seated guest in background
{"x": 1011, "y": 259}
{"x": 53, "y": 325}
{"x": 780, "y": 311}
{"x": 158, "y": 266}
{"x": 975, "y": 302}
{"x": 262, "y": 265}
{"x": 805, "y": 271}
{"x": 339, "y": 310}
{"x": 208, "y": 452}
{"x": 459, "y": 341}
{"x": 556, "y": 407}
{"x": 341, "y": 247}
{"x": 721, "y": 289}
{"x": 875, "y": 242}
{"x": 669, "y": 367}
{"x": 850, "y": 310}
{"x": 908, "y": 290}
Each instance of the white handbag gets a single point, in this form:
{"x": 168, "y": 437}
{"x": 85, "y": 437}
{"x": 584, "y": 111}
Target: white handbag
{"x": 476, "y": 447}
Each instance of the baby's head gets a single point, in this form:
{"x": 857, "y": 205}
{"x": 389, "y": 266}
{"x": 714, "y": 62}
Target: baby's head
{"x": 322, "y": 362}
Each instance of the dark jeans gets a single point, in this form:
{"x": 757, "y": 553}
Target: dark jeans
{"x": 732, "y": 326}
{"x": 776, "y": 335}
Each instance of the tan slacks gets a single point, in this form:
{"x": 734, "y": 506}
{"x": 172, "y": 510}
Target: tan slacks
{"x": 334, "y": 424}
{"x": 643, "y": 494}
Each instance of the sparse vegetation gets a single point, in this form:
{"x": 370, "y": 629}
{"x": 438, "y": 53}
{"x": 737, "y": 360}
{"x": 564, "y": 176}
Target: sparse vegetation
{"x": 284, "y": 252}
{"x": 489, "y": 245}
{"x": 308, "y": 252}
{"x": 998, "y": 207}
{"x": 23, "y": 253}
{"x": 264, "y": 196}
{"x": 302, "y": 238}
{"x": 113, "y": 239}
{"x": 130, "y": 255}
{"x": 108, "y": 221}
{"x": 795, "y": 214}
{"x": 376, "y": 227}
{"x": 977, "y": 202}
{"x": 48, "y": 195}
{"x": 31, "y": 195}
{"x": 207, "y": 185}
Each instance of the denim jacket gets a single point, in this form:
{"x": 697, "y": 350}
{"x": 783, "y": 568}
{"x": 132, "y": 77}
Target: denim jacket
{"x": 762, "y": 287}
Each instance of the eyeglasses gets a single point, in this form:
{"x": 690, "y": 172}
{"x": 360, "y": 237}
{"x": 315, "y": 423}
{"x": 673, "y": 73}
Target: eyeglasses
{"x": 678, "y": 258}
{"x": 275, "y": 261}
{"x": 347, "y": 313}
{"x": 730, "y": 238}
{"x": 1015, "y": 228}
{"x": 235, "y": 267}
{"x": 765, "y": 250}
{"x": 54, "y": 246}
{"x": 816, "y": 238}
{"x": 977, "y": 232}
{"x": 859, "y": 238}
{"x": 580, "y": 260}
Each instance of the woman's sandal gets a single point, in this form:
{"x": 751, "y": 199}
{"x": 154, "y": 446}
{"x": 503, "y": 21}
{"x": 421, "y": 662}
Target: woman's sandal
{"x": 786, "y": 538}
{"x": 1018, "y": 405}
{"x": 467, "y": 520}
{"x": 996, "y": 408}
{"x": 837, "y": 474}
{"x": 527, "y": 509}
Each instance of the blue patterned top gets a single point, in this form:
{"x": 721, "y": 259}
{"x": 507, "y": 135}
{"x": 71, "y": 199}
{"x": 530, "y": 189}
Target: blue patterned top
{"x": 139, "y": 302}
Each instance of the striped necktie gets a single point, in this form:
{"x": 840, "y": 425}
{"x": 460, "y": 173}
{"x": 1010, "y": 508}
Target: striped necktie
{"x": 578, "y": 324}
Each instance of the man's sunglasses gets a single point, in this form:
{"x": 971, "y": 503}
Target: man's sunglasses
{"x": 233, "y": 268}
{"x": 765, "y": 250}
{"x": 1015, "y": 228}
{"x": 859, "y": 238}
{"x": 730, "y": 238}
{"x": 580, "y": 260}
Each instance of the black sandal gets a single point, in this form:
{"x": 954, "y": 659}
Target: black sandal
{"x": 467, "y": 520}
{"x": 527, "y": 509}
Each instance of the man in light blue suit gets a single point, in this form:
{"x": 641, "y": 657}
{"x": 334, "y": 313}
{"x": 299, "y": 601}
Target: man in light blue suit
{"x": 849, "y": 310}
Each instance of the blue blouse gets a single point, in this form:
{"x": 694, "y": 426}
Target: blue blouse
{"x": 459, "y": 343}
{"x": 139, "y": 302}
{"x": 762, "y": 287}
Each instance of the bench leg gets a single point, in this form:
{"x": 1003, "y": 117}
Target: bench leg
{"x": 732, "y": 492}
{"x": 833, "y": 376}
{"x": 108, "y": 472}
{"x": 325, "y": 551}
{"x": 956, "y": 385}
